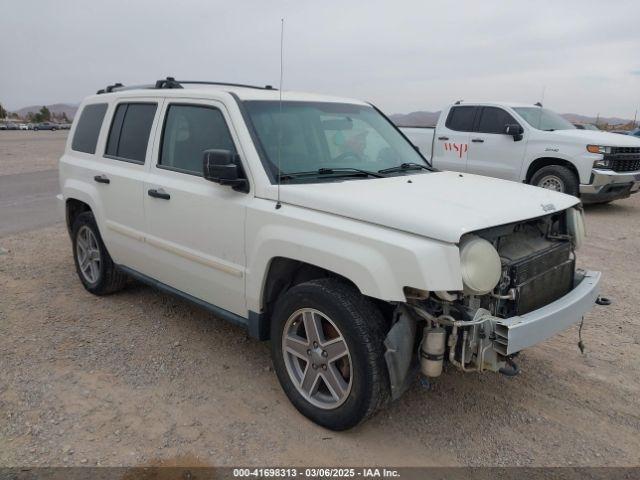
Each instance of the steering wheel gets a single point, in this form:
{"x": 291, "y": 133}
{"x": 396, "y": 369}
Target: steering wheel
{"x": 348, "y": 154}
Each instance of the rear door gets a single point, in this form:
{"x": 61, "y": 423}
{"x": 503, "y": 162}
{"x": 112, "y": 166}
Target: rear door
{"x": 491, "y": 151}
{"x": 451, "y": 145}
{"x": 120, "y": 179}
{"x": 195, "y": 228}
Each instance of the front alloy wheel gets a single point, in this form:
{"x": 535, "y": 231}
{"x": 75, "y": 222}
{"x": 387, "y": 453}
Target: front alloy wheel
{"x": 317, "y": 358}
{"x": 327, "y": 345}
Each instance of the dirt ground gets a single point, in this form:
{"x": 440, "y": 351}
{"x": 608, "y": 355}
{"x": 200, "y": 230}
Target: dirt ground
{"x": 23, "y": 151}
{"x": 140, "y": 377}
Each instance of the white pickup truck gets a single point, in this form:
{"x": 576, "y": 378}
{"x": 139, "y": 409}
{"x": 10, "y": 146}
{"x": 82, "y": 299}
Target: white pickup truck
{"x": 531, "y": 144}
{"x": 312, "y": 222}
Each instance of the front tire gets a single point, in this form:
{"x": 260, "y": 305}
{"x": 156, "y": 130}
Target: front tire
{"x": 94, "y": 265}
{"x": 327, "y": 349}
{"x": 557, "y": 178}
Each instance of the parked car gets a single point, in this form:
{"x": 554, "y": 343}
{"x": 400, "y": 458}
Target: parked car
{"x": 313, "y": 222}
{"x": 531, "y": 144}
{"x": 46, "y": 126}
{"x": 12, "y": 126}
{"x": 23, "y": 126}
{"x": 3, "y": 126}
{"x": 586, "y": 126}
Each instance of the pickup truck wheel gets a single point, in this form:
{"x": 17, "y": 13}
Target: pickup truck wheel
{"x": 94, "y": 265}
{"x": 557, "y": 178}
{"x": 327, "y": 349}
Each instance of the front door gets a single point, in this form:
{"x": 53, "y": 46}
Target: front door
{"x": 491, "y": 151}
{"x": 195, "y": 228}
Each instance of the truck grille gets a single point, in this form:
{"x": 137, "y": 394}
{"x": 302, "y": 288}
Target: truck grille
{"x": 624, "y": 159}
{"x": 542, "y": 277}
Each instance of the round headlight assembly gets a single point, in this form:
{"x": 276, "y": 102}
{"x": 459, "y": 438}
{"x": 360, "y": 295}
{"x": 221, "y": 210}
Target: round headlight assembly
{"x": 576, "y": 227}
{"x": 480, "y": 265}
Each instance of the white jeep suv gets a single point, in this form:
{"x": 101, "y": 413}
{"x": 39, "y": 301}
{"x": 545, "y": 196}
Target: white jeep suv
{"x": 312, "y": 222}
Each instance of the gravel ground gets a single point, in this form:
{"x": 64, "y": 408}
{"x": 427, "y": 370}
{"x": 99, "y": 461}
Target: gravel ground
{"x": 140, "y": 378}
{"x": 23, "y": 151}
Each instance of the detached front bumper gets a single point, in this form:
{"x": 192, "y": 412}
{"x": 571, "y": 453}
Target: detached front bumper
{"x": 517, "y": 333}
{"x": 607, "y": 185}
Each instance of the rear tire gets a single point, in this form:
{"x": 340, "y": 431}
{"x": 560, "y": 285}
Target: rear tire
{"x": 94, "y": 265}
{"x": 557, "y": 178}
{"x": 341, "y": 314}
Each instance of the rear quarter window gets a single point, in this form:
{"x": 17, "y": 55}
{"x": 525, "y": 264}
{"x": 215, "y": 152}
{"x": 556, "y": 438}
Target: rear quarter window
{"x": 86, "y": 134}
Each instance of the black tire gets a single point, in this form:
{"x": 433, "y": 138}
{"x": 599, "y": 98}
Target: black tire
{"x": 363, "y": 328}
{"x": 110, "y": 279}
{"x": 567, "y": 179}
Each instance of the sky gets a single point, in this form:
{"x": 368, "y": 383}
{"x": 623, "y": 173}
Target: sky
{"x": 403, "y": 56}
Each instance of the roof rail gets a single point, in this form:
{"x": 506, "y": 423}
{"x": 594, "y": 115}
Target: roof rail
{"x": 171, "y": 82}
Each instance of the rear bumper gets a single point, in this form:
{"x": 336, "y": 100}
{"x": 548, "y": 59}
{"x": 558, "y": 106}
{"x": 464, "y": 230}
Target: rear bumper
{"x": 608, "y": 185}
{"x": 516, "y": 333}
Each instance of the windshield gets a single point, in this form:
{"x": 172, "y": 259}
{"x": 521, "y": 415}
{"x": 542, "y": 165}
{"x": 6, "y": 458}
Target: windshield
{"x": 320, "y": 136}
{"x": 544, "y": 119}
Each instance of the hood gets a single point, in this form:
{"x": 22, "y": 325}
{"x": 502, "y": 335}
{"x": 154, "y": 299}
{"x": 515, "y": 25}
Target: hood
{"x": 591, "y": 137}
{"x": 439, "y": 205}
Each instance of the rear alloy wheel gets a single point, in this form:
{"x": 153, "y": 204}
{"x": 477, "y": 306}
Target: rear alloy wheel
{"x": 328, "y": 352}
{"x": 94, "y": 265}
{"x": 556, "y": 178}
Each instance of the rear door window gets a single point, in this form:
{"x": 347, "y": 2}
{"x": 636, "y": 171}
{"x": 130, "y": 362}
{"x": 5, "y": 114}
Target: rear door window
{"x": 86, "y": 134}
{"x": 130, "y": 130}
{"x": 460, "y": 119}
{"x": 494, "y": 119}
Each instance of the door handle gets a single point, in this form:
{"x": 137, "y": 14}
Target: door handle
{"x": 443, "y": 138}
{"x": 478, "y": 140}
{"x": 101, "y": 179}
{"x": 158, "y": 193}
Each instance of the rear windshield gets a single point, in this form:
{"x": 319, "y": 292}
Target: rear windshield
{"x": 308, "y": 136}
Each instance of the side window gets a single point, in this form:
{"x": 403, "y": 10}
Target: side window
{"x": 86, "y": 134}
{"x": 493, "y": 120}
{"x": 461, "y": 119}
{"x": 188, "y": 131}
{"x": 130, "y": 129}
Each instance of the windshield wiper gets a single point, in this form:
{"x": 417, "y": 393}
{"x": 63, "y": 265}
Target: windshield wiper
{"x": 404, "y": 166}
{"x": 335, "y": 172}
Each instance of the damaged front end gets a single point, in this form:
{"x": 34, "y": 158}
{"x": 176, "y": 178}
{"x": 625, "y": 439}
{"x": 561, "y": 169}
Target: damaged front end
{"x": 521, "y": 287}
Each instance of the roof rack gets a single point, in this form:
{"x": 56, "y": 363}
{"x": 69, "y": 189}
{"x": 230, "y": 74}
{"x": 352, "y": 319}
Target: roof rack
{"x": 171, "y": 82}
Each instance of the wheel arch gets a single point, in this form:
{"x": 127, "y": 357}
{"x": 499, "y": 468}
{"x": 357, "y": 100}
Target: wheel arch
{"x": 541, "y": 162}
{"x": 73, "y": 208}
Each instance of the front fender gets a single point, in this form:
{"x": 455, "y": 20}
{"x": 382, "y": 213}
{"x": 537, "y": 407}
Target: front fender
{"x": 379, "y": 261}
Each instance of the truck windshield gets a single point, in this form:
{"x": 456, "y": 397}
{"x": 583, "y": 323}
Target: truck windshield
{"x": 544, "y": 119}
{"x": 333, "y": 139}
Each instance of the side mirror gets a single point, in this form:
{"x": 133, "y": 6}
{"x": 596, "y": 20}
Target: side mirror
{"x": 223, "y": 167}
{"x": 514, "y": 130}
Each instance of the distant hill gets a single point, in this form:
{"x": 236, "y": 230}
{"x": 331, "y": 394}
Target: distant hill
{"x": 429, "y": 119}
{"x": 415, "y": 119}
{"x": 57, "y": 108}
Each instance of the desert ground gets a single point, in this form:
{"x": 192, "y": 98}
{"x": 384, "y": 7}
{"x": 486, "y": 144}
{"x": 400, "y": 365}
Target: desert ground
{"x": 140, "y": 377}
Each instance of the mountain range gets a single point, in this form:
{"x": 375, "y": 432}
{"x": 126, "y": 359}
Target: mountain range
{"x": 420, "y": 118}
{"x": 56, "y": 108}
{"x": 424, "y": 118}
